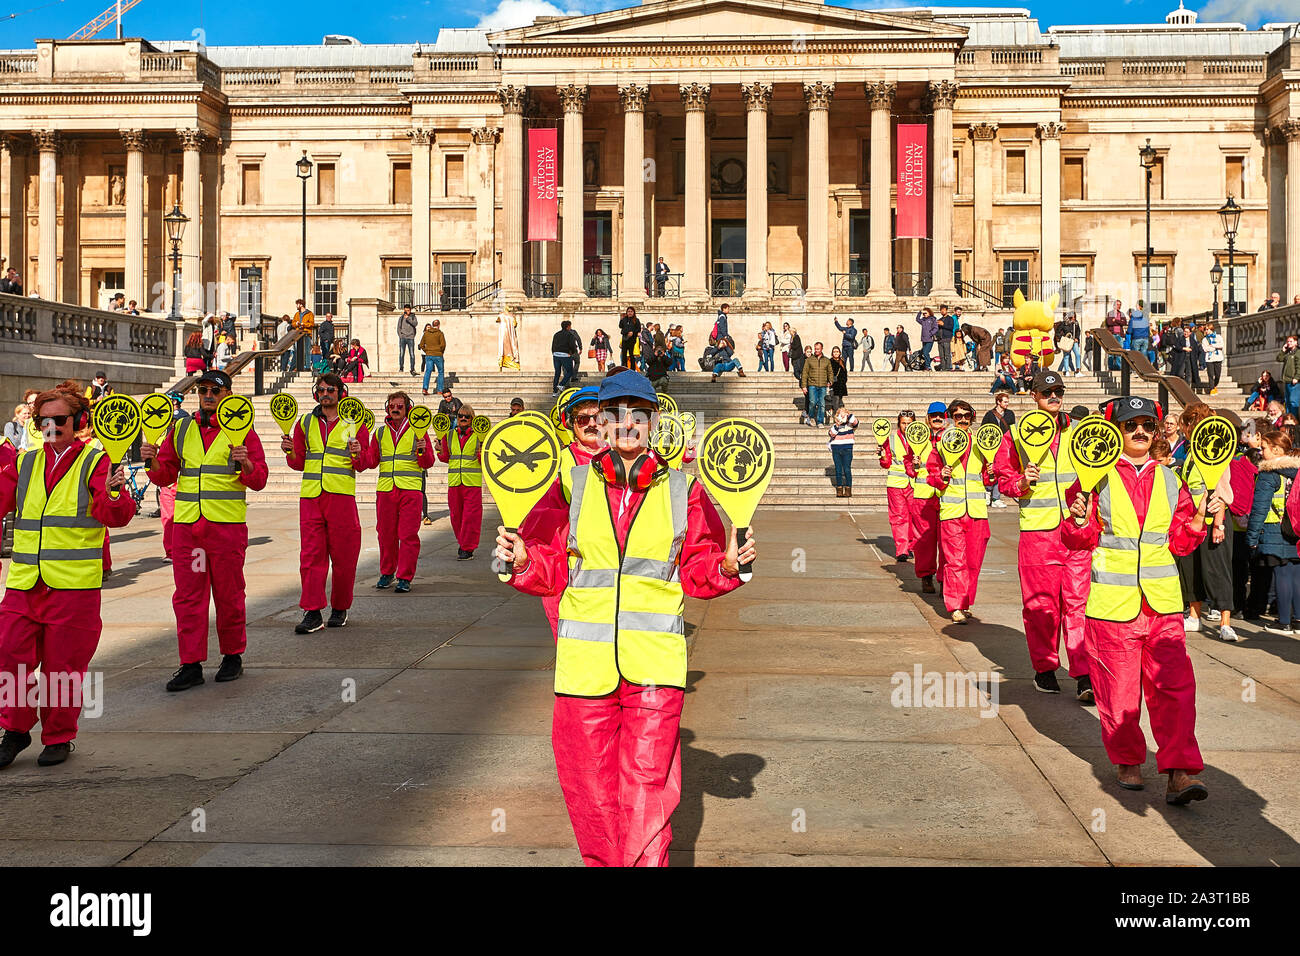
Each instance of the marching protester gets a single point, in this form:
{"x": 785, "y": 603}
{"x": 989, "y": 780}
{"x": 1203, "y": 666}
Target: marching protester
{"x": 619, "y": 689}
{"x": 840, "y": 442}
{"x": 1131, "y": 527}
{"x": 1053, "y": 578}
{"x": 893, "y": 456}
{"x": 64, "y": 493}
{"x": 925, "y": 502}
{"x": 323, "y": 448}
{"x": 210, "y": 533}
{"x": 460, "y": 450}
{"x": 401, "y": 457}
{"x": 963, "y": 518}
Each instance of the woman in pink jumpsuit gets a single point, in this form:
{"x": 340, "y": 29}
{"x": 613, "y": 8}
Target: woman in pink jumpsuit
{"x": 898, "y": 489}
{"x": 964, "y": 536}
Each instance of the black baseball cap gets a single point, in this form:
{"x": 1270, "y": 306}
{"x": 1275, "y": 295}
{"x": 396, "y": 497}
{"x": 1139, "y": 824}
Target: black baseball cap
{"x": 1079, "y": 411}
{"x": 1124, "y": 409}
{"x": 1047, "y": 380}
{"x": 216, "y": 377}
{"x": 517, "y": 401}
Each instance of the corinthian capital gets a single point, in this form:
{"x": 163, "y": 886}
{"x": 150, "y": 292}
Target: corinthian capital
{"x": 1288, "y": 131}
{"x": 190, "y": 138}
{"x": 485, "y": 135}
{"x": 880, "y": 94}
{"x": 943, "y": 93}
{"x": 633, "y": 97}
{"x": 420, "y": 136}
{"x": 514, "y": 99}
{"x": 572, "y": 97}
{"x": 758, "y": 96}
{"x": 983, "y": 131}
{"x": 695, "y": 96}
{"x": 818, "y": 95}
{"x": 1050, "y": 130}
{"x": 133, "y": 139}
{"x": 46, "y": 139}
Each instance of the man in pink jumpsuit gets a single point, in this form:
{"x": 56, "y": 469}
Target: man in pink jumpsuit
{"x": 399, "y": 501}
{"x": 618, "y": 754}
{"x": 54, "y": 628}
{"x": 898, "y": 487}
{"x": 963, "y": 519}
{"x": 925, "y": 503}
{"x": 1053, "y": 579}
{"x": 210, "y": 533}
{"x": 1147, "y": 655}
{"x": 462, "y": 452}
{"x": 329, "y": 527}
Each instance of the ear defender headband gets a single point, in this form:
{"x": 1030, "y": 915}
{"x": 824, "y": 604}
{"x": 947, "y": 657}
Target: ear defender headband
{"x": 644, "y": 470}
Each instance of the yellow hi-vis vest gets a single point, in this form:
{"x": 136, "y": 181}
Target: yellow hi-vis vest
{"x": 55, "y": 538}
{"x": 1277, "y": 507}
{"x": 399, "y": 465}
{"x": 208, "y": 484}
{"x": 896, "y": 477}
{"x": 621, "y": 613}
{"x": 921, "y": 487}
{"x": 964, "y": 494}
{"x": 1131, "y": 562}
{"x": 567, "y": 463}
{"x": 463, "y": 466}
{"x": 1191, "y": 476}
{"x": 1045, "y": 505}
{"x": 329, "y": 463}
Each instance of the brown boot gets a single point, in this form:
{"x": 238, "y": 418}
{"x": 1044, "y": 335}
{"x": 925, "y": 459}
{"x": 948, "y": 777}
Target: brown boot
{"x": 839, "y": 491}
{"x": 740, "y": 372}
{"x": 1129, "y": 776}
{"x": 1184, "y": 788}
{"x": 848, "y": 491}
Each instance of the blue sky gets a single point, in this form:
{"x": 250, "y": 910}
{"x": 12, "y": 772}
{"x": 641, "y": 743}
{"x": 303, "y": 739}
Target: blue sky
{"x": 225, "y": 22}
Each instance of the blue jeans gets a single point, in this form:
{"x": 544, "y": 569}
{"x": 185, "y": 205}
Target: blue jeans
{"x": 766, "y": 364}
{"x": 404, "y": 346}
{"x": 817, "y": 403}
{"x": 1292, "y": 398}
{"x": 679, "y": 360}
{"x": 1003, "y": 383}
{"x": 1140, "y": 343}
{"x": 843, "y": 458}
{"x": 1067, "y": 363}
{"x": 1286, "y": 578}
{"x": 430, "y": 363}
{"x": 563, "y": 372}
{"x": 925, "y": 352}
{"x": 727, "y": 366}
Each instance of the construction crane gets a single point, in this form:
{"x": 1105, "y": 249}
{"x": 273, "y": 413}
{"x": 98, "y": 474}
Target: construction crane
{"x": 104, "y": 19}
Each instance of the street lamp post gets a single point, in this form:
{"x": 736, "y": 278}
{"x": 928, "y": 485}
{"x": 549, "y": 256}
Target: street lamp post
{"x": 175, "y": 222}
{"x": 304, "y": 173}
{"x": 1230, "y": 216}
{"x": 1216, "y": 276}
{"x": 1147, "y": 155}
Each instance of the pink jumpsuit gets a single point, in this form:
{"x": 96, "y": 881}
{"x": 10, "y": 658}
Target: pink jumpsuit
{"x": 925, "y": 524}
{"x": 618, "y": 757}
{"x": 465, "y": 502}
{"x": 900, "y": 503}
{"x": 397, "y": 512}
{"x": 1145, "y": 657}
{"x": 962, "y": 542}
{"x": 53, "y": 629}
{"x": 329, "y": 528}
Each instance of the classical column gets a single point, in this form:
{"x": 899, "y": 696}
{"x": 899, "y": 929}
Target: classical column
{"x": 192, "y": 297}
{"x": 420, "y": 257}
{"x": 881, "y": 95}
{"x": 695, "y": 97}
{"x": 758, "y": 97}
{"x": 652, "y": 121}
{"x": 1289, "y": 132}
{"x": 1050, "y": 135}
{"x": 70, "y": 171}
{"x": 485, "y": 139}
{"x": 134, "y": 237}
{"x": 633, "y": 98}
{"x": 15, "y": 178}
{"x": 943, "y": 178}
{"x": 818, "y": 98}
{"x": 982, "y": 247}
{"x": 47, "y": 267}
{"x": 573, "y": 100}
{"x": 514, "y": 99}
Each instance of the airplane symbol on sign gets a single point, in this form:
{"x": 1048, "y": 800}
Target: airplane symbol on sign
{"x": 237, "y": 414}
{"x": 1036, "y": 430}
{"x": 156, "y": 412}
{"x": 527, "y": 458}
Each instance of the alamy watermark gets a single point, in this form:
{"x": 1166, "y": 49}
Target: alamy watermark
{"x": 977, "y": 690}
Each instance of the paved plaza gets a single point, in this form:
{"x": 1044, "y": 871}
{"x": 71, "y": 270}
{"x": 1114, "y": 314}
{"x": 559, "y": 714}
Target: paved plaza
{"x": 420, "y": 733}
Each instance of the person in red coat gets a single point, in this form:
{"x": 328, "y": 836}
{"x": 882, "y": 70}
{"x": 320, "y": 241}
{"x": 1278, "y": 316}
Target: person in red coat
{"x": 402, "y": 458}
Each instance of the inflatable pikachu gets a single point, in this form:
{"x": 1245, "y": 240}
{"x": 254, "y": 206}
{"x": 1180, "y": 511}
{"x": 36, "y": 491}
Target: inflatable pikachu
{"x": 1032, "y": 330}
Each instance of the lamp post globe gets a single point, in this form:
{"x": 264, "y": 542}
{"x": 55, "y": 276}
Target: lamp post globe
{"x": 304, "y": 167}
{"x": 1230, "y": 218}
{"x": 1216, "y": 276}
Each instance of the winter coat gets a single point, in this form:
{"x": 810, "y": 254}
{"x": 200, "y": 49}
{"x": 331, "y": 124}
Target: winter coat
{"x": 1263, "y": 536}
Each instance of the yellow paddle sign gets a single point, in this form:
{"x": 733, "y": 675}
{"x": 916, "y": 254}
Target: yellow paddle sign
{"x": 481, "y": 425}
{"x": 353, "y": 413}
{"x": 736, "y": 463}
{"x": 521, "y": 457}
{"x": 117, "y": 422}
{"x": 235, "y": 418}
{"x": 953, "y": 445}
{"x": 882, "y": 427}
{"x": 1095, "y": 446}
{"x": 369, "y": 421}
{"x": 667, "y": 404}
{"x": 988, "y": 439}
{"x": 1212, "y": 445}
{"x": 284, "y": 409}
{"x": 420, "y": 418}
{"x": 155, "y": 417}
{"x": 557, "y": 424}
{"x": 1036, "y": 430}
{"x": 918, "y": 439}
{"x": 441, "y": 424}
{"x": 688, "y": 422}
{"x": 34, "y": 436}
{"x": 669, "y": 440}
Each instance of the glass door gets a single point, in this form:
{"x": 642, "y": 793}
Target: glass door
{"x": 728, "y": 276}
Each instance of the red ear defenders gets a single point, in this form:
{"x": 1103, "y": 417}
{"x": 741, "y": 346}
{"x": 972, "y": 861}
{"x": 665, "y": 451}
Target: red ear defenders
{"x": 315, "y": 393}
{"x": 79, "y": 420}
{"x": 644, "y": 470}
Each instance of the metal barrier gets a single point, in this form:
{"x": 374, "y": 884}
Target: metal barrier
{"x": 850, "y": 284}
{"x": 667, "y": 286}
{"x": 1103, "y": 342}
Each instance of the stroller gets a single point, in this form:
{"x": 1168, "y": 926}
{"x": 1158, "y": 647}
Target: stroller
{"x": 916, "y": 362}
{"x": 707, "y": 360}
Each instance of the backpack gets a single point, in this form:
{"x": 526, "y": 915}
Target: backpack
{"x": 1288, "y": 530}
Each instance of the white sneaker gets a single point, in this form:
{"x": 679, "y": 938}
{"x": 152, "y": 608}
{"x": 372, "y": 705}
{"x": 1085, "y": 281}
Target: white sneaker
{"x": 1284, "y": 629}
{"x": 1226, "y": 633}
{"x": 1191, "y": 623}
{"x": 1213, "y": 616}
{"x": 999, "y": 503}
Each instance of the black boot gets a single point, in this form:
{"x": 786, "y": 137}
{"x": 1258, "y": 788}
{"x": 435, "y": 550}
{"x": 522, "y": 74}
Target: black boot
{"x": 54, "y": 754}
{"x": 232, "y": 665}
{"x": 12, "y": 745}
{"x": 189, "y": 675}
{"x": 311, "y": 621}
{"x": 337, "y": 619}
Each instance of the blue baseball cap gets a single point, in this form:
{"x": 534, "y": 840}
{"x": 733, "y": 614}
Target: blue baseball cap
{"x": 588, "y": 394}
{"x": 937, "y": 408}
{"x": 627, "y": 384}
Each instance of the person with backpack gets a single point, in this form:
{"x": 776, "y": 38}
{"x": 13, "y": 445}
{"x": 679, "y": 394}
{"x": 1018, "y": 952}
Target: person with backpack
{"x": 868, "y": 344}
{"x": 946, "y": 328}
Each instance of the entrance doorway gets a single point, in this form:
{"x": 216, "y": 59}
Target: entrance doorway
{"x": 727, "y": 279}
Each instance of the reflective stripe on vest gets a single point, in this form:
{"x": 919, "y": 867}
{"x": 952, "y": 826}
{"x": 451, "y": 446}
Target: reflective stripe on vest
{"x": 921, "y": 488}
{"x": 1044, "y": 507}
{"x": 1129, "y": 562}
{"x": 328, "y": 463}
{"x": 463, "y": 466}
{"x": 398, "y": 464}
{"x": 896, "y": 477}
{"x": 208, "y": 484}
{"x": 55, "y": 538}
{"x": 964, "y": 494}
{"x": 1191, "y": 476}
{"x": 621, "y": 613}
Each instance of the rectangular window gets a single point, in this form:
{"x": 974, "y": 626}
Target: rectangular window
{"x": 325, "y": 184}
{"x": 401, "y": 184}
{"x": 453, "y": 285}
{"x": 1239, "y": 275}
{"x": 1074, "y": 283}
{"x": 956, "y": 172}
{"x": 250, "y": 293}
{"x": 455, "y": 176}
{"x": 1155, "y": 288}
{"x": 400, "y": 292}
{"x": 1072, "y": 177}
{"x": 325, "y": 290}
{"x": 1234, "y": 167}
{"x": 251, "y": 184}
{"x": 1015, "y": 171}
{"x": 1015, "y": 275}
{"x": 956, "y": 274}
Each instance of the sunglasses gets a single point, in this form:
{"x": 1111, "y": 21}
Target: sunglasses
{"x": 327, "y": 389}
{"x": 581, "y": 420}
{"x": 59, "y": 420}
{"x": 209, "y": 390}
{"x": 963, "y": 417}
{"x": 1053, "y": 393}
{"x": 462, "y": 418}
{"x": 1133, "y": 424}
{"x": 621, "y": 413}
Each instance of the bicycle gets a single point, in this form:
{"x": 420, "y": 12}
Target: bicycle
{"x": 135, "y": 488}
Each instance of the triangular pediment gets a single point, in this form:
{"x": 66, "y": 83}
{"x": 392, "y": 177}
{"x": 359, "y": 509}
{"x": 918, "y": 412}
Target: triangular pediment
{"x": 723, "y": 20}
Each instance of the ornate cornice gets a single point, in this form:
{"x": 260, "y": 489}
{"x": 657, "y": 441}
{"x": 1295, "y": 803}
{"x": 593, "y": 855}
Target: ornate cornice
{"x": 458, "y": 97}
{"x": 695, "y": 96}
{"x": 485, "y": 135}
{"x": 818, "y": 95}
{"x": 190, "y": 138}
{"x": 105, "y": 99}
{"x": 514, "y": 99}
{"x": 633, "y": 97}
{"x": 573, "y": 98}
{"x": 1050, "y": 130}
{"x": 943, "y": 93}
{"x": 46, "y": 140}
{"x": 881, "y": 95}
{"x": 757, "y": 96}
{"x": 420, "y": 136}
{"x": 723, "y": 51}
{"x": 983, "y": 131}
{"x": 1147, "y": 101}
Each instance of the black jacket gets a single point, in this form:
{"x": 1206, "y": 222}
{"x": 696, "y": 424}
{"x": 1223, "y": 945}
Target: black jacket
{"x": 629, "y": 327}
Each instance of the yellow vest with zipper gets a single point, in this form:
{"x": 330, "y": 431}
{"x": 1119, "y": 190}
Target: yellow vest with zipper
{"x": 328, "y": 464}
{"x": 1132, "y": 562}
{"x": 208, "y": 484}
{"x": 621, "y": 613}
{"x": 463, "y": 467}
{"x": 896, "y": 476}
{"x": 55, "y": 538}
{"x": 1045, "y": 505}
{"x": 399, "y": 465}
{"x": 964, "y": 494}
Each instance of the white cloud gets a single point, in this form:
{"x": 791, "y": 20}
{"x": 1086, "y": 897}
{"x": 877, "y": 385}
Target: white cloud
{"x": 520, "y": 13}
{"x": 1250, "y": 12}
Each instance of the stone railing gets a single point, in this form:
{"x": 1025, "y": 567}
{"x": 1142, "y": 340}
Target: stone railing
{"x": 1036, "y": 60}
{"x": 1227, "y": 71}
{"x": 1254, "y": 339}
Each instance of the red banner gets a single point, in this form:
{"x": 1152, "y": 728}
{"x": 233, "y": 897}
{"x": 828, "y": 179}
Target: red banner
{"x": 543, "y": 173}
{"x": 910, "y": 222}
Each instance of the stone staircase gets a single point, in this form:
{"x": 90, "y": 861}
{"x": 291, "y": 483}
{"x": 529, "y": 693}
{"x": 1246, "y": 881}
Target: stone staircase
{"x": 803, "y": 476}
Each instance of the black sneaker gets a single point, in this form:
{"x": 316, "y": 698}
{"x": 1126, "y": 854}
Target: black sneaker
{"x": 1046, "y": 682}
{"x": 12, "y": 745}
{"x": 1084, "y": 690}
{"x": 902, "y": 558}
{"x": 463, "y": 555}
{"x": 469, "y": 555}
{"x": 403, "y": 586}
{"x": 54, "y": 754}
{"x": 337, "y": 619}
{"x": 927, "y": 584}
{"x": 311, "y": 621}
{"x": 384, "y": 581}
{"x": 232, "y": 665}
{"x": 189, "y": 675}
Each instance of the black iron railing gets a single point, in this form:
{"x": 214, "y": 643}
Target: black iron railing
{"x": 1001, "y": 293}
{"x": 912, "y": 283}
{"x": 667, "y": 286}
{"x": 726, "y": 285}
{"x": 441, "y": 296}
{"x": 787, "y": 285}
{"x": 601, "y": 285}
{"x": 541, "y": 285}
{"x": 850, "y": 283}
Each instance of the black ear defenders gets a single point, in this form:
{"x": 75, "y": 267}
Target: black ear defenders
{"x": 643, "y": 474}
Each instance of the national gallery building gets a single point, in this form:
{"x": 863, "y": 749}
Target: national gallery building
{"x": 777, "y": 154}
